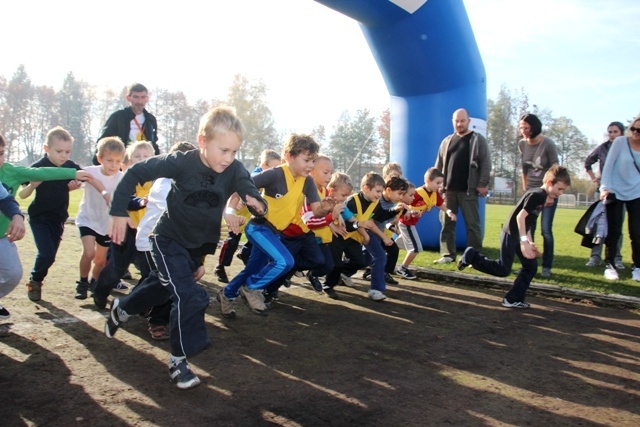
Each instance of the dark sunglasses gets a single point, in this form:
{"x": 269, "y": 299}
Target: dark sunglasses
{"x": 632, "y": 129}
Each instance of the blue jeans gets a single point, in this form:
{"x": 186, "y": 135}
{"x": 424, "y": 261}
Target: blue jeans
{"x": 47, "y": 236}
{"x": 378, "y": 262}
{"x": 509, "y": 247}
{"x": 269, "y": 260}
{"x": 546, "y": 218}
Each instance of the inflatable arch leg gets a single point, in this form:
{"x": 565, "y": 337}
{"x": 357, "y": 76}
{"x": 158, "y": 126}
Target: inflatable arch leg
{"x": 430, "y": 62}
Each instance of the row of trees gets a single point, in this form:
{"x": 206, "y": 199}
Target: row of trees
{"x": 357, "y": 143}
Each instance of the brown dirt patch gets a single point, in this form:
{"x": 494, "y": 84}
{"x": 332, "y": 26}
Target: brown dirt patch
{"x": 429, "y": 355}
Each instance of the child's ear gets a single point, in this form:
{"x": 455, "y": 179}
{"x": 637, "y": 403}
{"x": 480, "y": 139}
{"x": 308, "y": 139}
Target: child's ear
{"x": 202, "y": 142}
{"x": 46, "y": 148}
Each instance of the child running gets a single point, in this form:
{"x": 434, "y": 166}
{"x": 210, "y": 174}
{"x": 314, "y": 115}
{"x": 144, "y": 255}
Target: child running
{"x": 203, "y": 180}
{"x": 279, "y": 242}
{"x": 419, "y": 201}
{"x": 93, "y": 214}
{"x": 12, "y": 176}
{"x": 11, "y": 230}
{"x": 268, "y": 159}
{"x": 125, "y": 254}
{"x": 516, "y": 238}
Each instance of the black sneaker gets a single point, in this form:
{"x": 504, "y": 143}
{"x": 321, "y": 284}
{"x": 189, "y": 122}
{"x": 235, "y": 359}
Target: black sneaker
{"x": 99, "y": 301}
{"x": 116, "y": 318}
{"x": 405, "y": 273}
{"x": 367, "y": 274}
{"x": 82, "y": 288}
{"x": 331, "y": 293}
{"x": 389, "y": 280}
{"x": 221, "y": 274}
{"x": 4, "y": 313}
{"x": 315, "y": 282}
{"x": 466, "y": 258}
{"x": 182, "y": 376}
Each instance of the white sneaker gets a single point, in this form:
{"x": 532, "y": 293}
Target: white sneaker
{"x": 346, "y": 280}
{"x": 635, "y": 274}
{"x": 443, "y": 260}
{"x": 376, "y": 295}
{"x": 610, "y": 273}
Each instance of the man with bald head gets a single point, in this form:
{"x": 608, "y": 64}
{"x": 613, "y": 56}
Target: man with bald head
{"x": 465, "y": 161}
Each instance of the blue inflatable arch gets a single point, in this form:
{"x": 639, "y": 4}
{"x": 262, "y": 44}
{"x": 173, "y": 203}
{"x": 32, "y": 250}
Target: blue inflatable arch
{"x": 431, "y": 65}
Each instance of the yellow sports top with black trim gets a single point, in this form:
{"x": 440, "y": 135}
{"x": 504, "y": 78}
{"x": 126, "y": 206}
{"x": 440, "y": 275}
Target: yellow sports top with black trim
{"x": 430, "y": 200}
{"x": 285, "y": 209}
{"x": 361, "y": 216}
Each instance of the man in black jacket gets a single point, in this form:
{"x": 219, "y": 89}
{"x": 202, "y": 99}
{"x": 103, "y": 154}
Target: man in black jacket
{"x": 133, "y": 123}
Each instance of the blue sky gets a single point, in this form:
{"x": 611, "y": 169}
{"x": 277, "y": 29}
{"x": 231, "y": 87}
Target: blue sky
{"x": 578, "y": 58}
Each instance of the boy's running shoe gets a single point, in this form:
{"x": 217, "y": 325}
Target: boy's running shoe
{"x": 116, "y": 318}
{"x": 121, "y": 286}
{"x": 635, "y": 274}
{"x": 389, "y": 280}
{"x": 182, "y": 376}
{"x": 331, "y": 293}
{"x": 346, "y": 280}
{"x": 221, "y": 274}
{"x": 376, "y": 295}
{"x": 610, "y": 273}
{"x": 405, "y": 273}
{"x": 367, "y": 274}
{"x": 517, "y": 304}
{"x": 4, "y": 313}
{"x": 254, "y": 299}
{"x": 315, "y": 282}
{"x": 227, "y": 305}
{"x": 34, "y": 290}
{"x": 82, "y": 288}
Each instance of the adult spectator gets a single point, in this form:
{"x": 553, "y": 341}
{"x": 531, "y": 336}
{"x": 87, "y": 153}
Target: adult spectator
{"x": 620, "y": 186}
{"x": 539, "y": 153}
{"x": 133, "y": 123}
{"x": 464, "y": 159}
{"x": 614, "y": 130}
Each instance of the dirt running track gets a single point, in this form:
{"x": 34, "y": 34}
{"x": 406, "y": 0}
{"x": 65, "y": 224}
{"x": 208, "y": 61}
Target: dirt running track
{"x": 429, "y": 355}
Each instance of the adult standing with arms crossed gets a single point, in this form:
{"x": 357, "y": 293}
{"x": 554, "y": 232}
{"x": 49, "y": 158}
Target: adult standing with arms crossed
{"x": 614, "y": 130}
{"x": 539, "y": 153}
{"x": 464, "y": 159}
{"x": 621, "y": 187}
{"x": 133, "y": 123}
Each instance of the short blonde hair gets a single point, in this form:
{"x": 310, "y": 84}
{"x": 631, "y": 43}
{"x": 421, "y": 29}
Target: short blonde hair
{"x": 135, "y": 146}
{"x": 221, "y": 119}
{"x": 340, "y": 179}
{"x": 57, "y": 133}
{"x": 391, "y": 169}
{"x": 112, "y": 144}
{"x": 268, "y": 155}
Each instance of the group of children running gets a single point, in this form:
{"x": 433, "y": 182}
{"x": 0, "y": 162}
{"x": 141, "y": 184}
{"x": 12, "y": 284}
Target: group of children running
{"x": 165, "y": 213}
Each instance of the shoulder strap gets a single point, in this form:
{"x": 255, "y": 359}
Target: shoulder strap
{"x": 633, "y": 158}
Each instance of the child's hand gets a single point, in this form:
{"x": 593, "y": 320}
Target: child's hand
{"x": 83, "y": 176}
{"x": 452, "y": 216}
{"x": 327, "y": 204}
{"x": 338, "y": 230}
{"x": 107, "y": 198}
{"x": 341, "y": 222}
{"x": 16, "y": 229}
{"x": 118, "y": 229}
{"x": 337, "y": 210}
{"x": 233, "y": 222}
{"x": 143, "y": 201}
{"x": 536, "y": 251}
{"x": 387, "y": 241}
{"x": 367, "y": 225}
{"x": 73, "y": 185}
{"x": 365, "y": 238}
{"x": 34, "y": 184}
{"x": 197, "y": 275}
{"x": 255, "y": 204}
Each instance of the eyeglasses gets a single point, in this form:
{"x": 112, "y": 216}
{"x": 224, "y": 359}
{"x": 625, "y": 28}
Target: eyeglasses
{"x": 632, "y": 129}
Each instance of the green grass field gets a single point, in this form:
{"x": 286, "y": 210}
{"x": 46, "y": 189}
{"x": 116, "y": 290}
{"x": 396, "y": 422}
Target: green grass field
{"x": 568, "y": 269}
